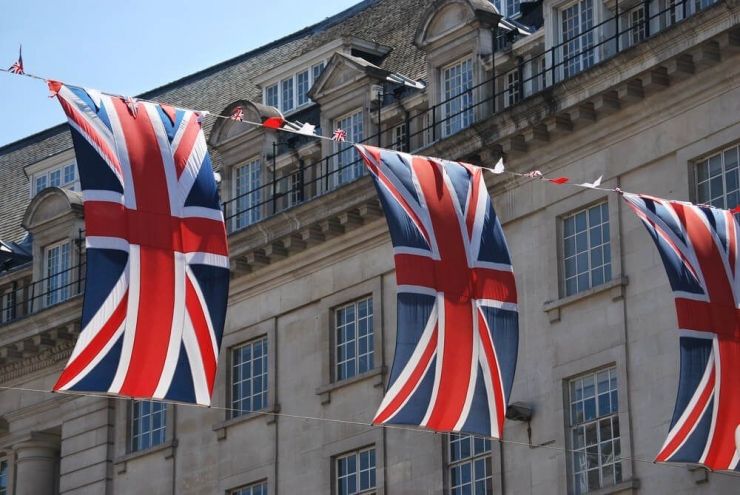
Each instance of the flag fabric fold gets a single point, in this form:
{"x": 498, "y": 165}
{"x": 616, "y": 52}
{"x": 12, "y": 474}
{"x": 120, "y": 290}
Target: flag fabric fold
{"x": 458, "y": 329}
{"x": 699, "y": 248}
{"x": 157, "y": 254}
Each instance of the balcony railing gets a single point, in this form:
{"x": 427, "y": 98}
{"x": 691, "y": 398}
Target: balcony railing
{"x": 23, "y": 300}
{"x": 578, "y": 50}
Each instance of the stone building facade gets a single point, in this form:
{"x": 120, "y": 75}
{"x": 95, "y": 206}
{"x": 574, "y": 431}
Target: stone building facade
{"x": 644, "y": 94}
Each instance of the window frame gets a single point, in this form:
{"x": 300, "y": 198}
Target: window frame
{"x": 248, "y": 201}
{"x": 722, "y": 154}
{"x": 53, "y": 294}
{"x": 250, "y": 489}
{"x": 584, "y": 58}
{"x": 456, "y": 119}
{"x": 576, "y": 450}
{"x": 353, "y": 123}
{"x": 234, "y": 411}
{"x": 162, "y": 431}
{"x": 356, "y": 455}
{"x": 274, "y": 94}
{"x": 43, "y": 179}
{"x": 473, "y": 459}
{"x": 605, "y": 246}
{"x": 5, "y": 488}
{"x": 337, "y": 343}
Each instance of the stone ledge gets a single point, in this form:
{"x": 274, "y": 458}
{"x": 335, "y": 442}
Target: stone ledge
{"x": 616, "y": 286}
{"x": 167, "y": 448}
{"x": 268, "y": 412}
{"x": 325, "y": 390}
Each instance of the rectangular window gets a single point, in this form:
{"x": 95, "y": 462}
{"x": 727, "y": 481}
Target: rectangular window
{"x": 249, "y": 377}
{"x": 57, "y": 261}
{"x": 317, "y": 69}
{"x": 272, "y": 96}
{"x": 398, "y": 138}
{"x": 64, "y": 176}
{"x": 512, "y": 8}
{"x": 586, "y": 249}
{"x": 577, "y": 37}
{"x": 457, "y": 95}
{"x": 70, "y": 175}
{"x": 286, "y": 86}
{"x": 303, "y": 84}
{"x": 8, "y": 301}
{"x": 40, "y": 184}
{"x": 354, "y": 338}
{"x": 295, "y": 193}
{"x": 55, "y": 178}
{"x": 594, "y": 426}
{"x": 3, "y": 477}
{"x": 512, "y": 87}
{"x": 355, "y": 473}
{"x": 637, "y": 25}
{"x": 247, "y": 193}
{"x": 539, "y": 74}
{"x": 349, "y": 165}
{"x": 253, "y": 489}
{"x": 148, "y": 424}
{"x": 717, "y": 179}
{"x": 470, "y": 469}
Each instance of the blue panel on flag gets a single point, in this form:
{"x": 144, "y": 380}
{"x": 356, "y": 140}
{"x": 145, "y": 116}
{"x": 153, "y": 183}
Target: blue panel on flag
{"x": 479, "y": 424}
{"x": 182, "y": 389}
{"x": 110, "y": 262}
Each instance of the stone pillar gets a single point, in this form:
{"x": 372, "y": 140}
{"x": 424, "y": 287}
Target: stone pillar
{"x": 35, "y": 464}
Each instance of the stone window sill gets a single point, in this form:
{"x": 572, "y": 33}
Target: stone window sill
{"x": 623, "y": 488}
{"x": 267, "y": 412}
{"x": 615, "y": 286}
{"x": 167, "y": 448}
{"x": 377, "y": 373}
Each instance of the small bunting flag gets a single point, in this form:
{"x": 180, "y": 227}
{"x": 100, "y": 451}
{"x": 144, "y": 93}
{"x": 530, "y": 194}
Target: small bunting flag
{"x": 17, "y": 67}
{"x": 132, "y": 104}
{"x": 339, "y": 135}
{"x": 237, "y": 114}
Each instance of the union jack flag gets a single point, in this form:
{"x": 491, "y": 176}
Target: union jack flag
{"x": 17, "y": 67}
{"x": 699, "y": 248}
{"x": 237, "y": 114}
{"x": 339, "y": 135}
{"x": 157, "y": 255}
{"x": 458, "y": 327}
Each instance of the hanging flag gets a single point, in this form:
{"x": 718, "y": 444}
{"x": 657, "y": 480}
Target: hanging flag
{"x": 157, "y": 255}
{"x": 237, "y": 114}
{"x": 339, "y": 135}
{"x": 17, "y": 67}
{"x": 699, "y": 248}
{"x": 458, "y": 329}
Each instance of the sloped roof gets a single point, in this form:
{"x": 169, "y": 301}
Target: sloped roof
{"x": 388, "y": 22}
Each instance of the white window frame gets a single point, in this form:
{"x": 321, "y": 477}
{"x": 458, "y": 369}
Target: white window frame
{"x": 594, "y": 430}
{"x": 354, "y": 338}
{"x": 288, "y": 94}
{"x": 148, "y": 424}
{"x": 294, "y": 188}
{"x": 247, "y": 194}
{"x": 64, "y": 176}
{"x": 257, "y": 373}
{"x": 347, "y": 163}
{"x": 717, "y": 178}
{"x": 57, "y": 275}
{"x": 398, "y": 137}
{"x": 580, "y": 35}
{"x": 509, "y": 9}
{"x": 469, "y": 464}
{"x": 583, "y": 245}
{"x": 8, "y": 305}
{"x": 257, "y": 488}
{"x": 360, "y": 479}
{"x": 458, "y": 101}
{"x": 512, "y": 95}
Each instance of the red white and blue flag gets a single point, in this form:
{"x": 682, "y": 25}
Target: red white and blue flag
{"x": 458, "y": 327}
{"x": 699, "y": 248}
{"x": 17, "y": 67}
{"x": 157, "y": 255}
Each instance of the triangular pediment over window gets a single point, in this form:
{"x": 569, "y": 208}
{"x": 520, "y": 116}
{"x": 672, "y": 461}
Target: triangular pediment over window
{"x": 343, "y": 73}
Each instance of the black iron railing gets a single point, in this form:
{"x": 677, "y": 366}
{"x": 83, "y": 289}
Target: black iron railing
{"x": 581, "y": 46}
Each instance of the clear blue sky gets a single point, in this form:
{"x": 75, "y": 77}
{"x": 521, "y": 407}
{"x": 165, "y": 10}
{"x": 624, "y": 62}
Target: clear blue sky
{"x": 129, "y": 47}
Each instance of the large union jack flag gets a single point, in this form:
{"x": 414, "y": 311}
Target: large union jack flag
{"x": 699, "y": 248}
{"x": 458, "y": 328}
{"x": 157, "y": 256}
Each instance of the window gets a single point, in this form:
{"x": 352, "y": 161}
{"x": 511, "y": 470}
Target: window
{"x": 8, "y": 301}
{"x": 398, "y": 138}
{"x": 577, "y": 37}
{"x": 57, "y": 261}
{"x": 457, "y": 96}
{"x": 247, "y": 193}
{"x": 292, "y": 92}
{"x": 295, "y": 189}
{"x": 64, "y": 176}
{"x": 355, "y": 473}
{"x": 637, "y": 25}
{"x": 354, "y": 338}
{"x": 586, "y": 249}
{"x": 254, "y": 489}
{"x": 470, "y": 465}
{"x": 717, "y": 179}
{"x": 539, "y": 74}
{"x": 594, "y": 425}
{"x": 148, "y": 424}
{"x": 512, "y": 87}
{"x": 249, "y": 377}
{"x": 3, "y": 477}
{"x": 349, "y": 164}
{"x": 509, "y": 8}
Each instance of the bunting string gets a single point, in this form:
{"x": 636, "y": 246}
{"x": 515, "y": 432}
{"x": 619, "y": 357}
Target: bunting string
{"x": 545, "y": 445}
